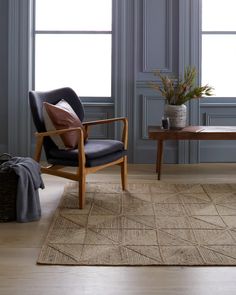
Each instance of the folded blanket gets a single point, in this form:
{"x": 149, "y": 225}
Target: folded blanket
{"x": 27, "y": 199}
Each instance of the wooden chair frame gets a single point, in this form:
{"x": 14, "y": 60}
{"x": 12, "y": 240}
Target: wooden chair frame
{"x": 82, "y": 170}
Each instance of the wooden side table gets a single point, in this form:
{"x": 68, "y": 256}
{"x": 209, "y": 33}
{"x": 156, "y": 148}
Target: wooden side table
{"x": 188, "y": 133}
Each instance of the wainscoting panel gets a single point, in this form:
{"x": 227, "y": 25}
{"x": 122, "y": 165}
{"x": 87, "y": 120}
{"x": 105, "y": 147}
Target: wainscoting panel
{"x": 218, "y": 114}
{"x": 147, "y": 154}
{"x": 157, "y": 36}
{"x": 152, "y": 112}
{"x": 93, "y": 113}
{"x": 218, "y": 152}
{"x": 149, "y": 111}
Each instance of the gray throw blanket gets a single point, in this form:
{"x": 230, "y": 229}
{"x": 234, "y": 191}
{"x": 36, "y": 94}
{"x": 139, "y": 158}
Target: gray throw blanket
{"x": 27, "y": 199}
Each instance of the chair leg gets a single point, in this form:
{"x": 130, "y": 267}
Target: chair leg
{"x": 82, "y": 188}
{"x": 124, "y": 173}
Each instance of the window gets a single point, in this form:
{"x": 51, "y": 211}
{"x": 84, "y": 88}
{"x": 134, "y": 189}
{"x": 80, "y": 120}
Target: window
{"x": 219, "y": 46}
{"x": 73, "y": 46}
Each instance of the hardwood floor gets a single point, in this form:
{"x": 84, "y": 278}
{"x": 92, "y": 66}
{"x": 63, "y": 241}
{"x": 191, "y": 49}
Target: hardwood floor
{"x": 20, "y": 244}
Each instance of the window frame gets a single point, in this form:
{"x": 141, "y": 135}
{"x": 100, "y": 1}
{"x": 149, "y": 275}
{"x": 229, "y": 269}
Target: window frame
{"x": 212, "y": 33}
{"x": 35, "y": 32}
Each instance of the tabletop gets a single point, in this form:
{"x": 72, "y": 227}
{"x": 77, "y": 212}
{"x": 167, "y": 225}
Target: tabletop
{"x": 193, "y": 132}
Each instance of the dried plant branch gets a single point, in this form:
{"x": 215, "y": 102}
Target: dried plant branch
{"x": 179, "y": 91}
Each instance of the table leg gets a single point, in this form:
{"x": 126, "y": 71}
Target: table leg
{"x": 159, "y": 158}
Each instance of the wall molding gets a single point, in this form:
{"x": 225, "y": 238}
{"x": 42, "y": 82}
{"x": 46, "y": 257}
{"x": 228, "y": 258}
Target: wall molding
{"x": 184, "y": 60}
{"x": 143, "y": 84}
{"x": 168, "y": 39}
{"x": 146, "y": 84}
{"x": 98, "y": 104}
{"x": 124, "y": 57}
{"x": 19, "y": 77}
{"x": 190, "y": 54}
{"x": 208, "y": 117}
{"x": 217, "y": 105}
{"x": 195, "y": 59}
{"x": 145, "y": 100}
{"x": 104, "y": 133}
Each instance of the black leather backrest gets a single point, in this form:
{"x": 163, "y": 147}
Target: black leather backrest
{"x": 36, "y": 99}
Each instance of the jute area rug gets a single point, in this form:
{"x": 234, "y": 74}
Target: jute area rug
{"x": 150, "y": 224}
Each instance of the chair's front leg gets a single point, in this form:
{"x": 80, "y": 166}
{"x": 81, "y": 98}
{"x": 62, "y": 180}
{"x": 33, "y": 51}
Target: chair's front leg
{"x": 81, "y": 170}
{"x": 125, "y": 133}
{"x": 38, "y": 148}
{"x": 124, "y": 173}
{"x": 82, "y": 189}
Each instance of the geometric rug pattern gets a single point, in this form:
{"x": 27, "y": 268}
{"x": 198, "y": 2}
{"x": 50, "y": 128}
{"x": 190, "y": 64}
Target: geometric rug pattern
{"x": 149, "y": 224}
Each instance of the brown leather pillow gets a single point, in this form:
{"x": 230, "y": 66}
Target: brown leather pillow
{"x": 63, "y": 116}
{"x": 50, "y": 127}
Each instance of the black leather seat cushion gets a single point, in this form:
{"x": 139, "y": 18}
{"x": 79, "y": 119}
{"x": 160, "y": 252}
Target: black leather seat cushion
{"x": 97, "y": 152}
{"x": 99, "y": 148}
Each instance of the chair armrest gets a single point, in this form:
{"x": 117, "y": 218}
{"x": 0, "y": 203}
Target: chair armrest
{"x": 55, "y": 132}
{"x": 107, "y": 121}
{"x": 41, "y": 135}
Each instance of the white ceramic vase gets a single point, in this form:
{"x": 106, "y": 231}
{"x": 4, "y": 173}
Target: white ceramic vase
{"x": 177, "y": 115}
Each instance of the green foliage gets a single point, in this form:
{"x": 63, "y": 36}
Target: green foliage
{"x": 179, "y": 91}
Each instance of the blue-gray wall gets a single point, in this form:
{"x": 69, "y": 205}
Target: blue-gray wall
{"x": 3, "y": 74}
{"x": 147, "y": 35}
